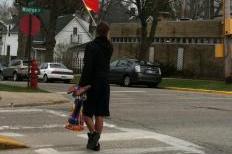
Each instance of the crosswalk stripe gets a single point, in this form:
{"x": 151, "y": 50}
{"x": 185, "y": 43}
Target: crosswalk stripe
{"x": 9, "y": 134}
{"x": 123, "y": 134}
{"x": 112, "y": 151}
{"x": 47, "y": 151}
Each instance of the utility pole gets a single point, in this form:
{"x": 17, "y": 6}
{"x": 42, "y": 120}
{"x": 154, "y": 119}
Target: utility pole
{"x": 29, "y": 42}
{"x": 227, "y": 41}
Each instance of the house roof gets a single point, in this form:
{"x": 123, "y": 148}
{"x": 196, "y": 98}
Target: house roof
{"x": 3, "y": 28}
{"x": 62, "y": 21}
{"x": 15, "y": 29}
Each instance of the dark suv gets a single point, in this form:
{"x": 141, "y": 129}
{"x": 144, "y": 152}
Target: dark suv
{"x": 131, "y": 71}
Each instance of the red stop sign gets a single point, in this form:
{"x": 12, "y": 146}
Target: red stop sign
{"x": 25, "y": 25}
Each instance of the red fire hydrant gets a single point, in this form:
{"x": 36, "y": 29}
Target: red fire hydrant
{"x": 34, "y": 73}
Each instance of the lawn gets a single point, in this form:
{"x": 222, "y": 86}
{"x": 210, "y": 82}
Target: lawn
{"x": 11, "y": 88}
{"x": 196, "y": 84}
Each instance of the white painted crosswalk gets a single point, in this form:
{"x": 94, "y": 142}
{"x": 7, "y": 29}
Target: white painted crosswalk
{"x": 162, "y": 142}
{"x": 112, "y": 151}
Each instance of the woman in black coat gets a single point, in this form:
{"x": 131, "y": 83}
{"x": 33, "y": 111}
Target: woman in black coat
{"x": 95, "y": 73}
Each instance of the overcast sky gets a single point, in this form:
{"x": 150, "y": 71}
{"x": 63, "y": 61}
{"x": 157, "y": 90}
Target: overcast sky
{"x": 9, "y": 1}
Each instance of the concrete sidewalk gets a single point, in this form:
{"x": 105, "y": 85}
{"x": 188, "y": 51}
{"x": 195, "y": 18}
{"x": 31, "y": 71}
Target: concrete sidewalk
{"x": 21, "y": 99}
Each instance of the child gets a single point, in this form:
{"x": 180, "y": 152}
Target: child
{"x": 75, "y": 121}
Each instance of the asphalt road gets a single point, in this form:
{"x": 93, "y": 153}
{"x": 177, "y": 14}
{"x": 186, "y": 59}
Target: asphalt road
{"x": 143, "y": 120}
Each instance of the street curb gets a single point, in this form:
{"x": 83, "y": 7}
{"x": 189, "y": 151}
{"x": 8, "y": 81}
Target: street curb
{"x": 200, "y": 90}
{"x": 10, "y": 143}
{"x": 31, "y": 99}
{"x": 35, "y": 104}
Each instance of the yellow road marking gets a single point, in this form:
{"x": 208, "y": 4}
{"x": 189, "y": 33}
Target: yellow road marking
{"x": 200, "y": 90}
{"x": 10, "y": 143}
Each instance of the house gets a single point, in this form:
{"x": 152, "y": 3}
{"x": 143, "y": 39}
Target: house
{"x": 116, "y": 13}
{"x": 3, "y": 30}
{"x": 70, "y": 29}
{"x": 8, "y": 40}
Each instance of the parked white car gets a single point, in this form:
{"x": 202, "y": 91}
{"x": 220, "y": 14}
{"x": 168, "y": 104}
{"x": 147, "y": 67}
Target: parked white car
{"x": 55, "y": 71}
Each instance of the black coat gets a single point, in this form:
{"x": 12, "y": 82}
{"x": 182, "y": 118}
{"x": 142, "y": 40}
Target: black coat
{"x": 96, "y": 61}
{"x": 95, "y": 73}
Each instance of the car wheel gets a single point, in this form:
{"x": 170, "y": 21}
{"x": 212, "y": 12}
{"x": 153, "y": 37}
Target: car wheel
{"x": 1, "y": 76}
{"x": 45, "y": 78}
{"x": 126, "y": 81}
{"x": 15, "y": 77}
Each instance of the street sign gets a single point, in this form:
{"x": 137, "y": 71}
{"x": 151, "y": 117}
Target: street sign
{"x": 31, "y": 10}
{"x": 25, "y": 25}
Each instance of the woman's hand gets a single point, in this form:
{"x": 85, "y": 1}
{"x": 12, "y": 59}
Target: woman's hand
{"x": 72, "y": 89}
{"x": 80, "y": 91}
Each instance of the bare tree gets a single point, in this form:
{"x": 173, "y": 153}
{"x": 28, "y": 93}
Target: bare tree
{"x": 195, "y": 9}
{"x": 148, "y": 9}
{"x": 6, "y": 10}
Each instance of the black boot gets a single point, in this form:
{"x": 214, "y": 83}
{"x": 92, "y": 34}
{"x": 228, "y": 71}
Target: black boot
{"x": 93, "y": 143}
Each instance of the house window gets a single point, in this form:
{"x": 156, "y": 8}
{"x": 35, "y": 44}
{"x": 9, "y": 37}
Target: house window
{"x": 190, "y": 40}
{"x": 195, "y": 40}
{"x": 125, "y": 40}
{"x": 75, "y": 31}
{"x": 184, "y": 40}
{"x": 173, "y": 40}
{"x": 157, "y": 40}
{"x": 134, "y": 39}
{"x": 202, "y": 40}
{"x": 8, "y": 50}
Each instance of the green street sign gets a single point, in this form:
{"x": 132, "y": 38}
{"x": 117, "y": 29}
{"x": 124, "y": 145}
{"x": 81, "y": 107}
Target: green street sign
{"x": 32, "y": 10}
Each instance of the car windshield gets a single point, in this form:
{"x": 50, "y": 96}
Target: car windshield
{"x": 144, "y": 63}
{"x": 58, "y": 66}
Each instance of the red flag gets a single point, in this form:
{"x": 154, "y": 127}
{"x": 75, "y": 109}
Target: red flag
{"x": 93, "y": 5}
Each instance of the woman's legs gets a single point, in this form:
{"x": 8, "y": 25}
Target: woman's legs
{"x": 99, "y": 124}
{"x": 95, "y": 131}
{"x": 90, "y": 124}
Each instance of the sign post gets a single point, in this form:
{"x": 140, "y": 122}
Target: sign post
{"x": 29, "y": 51}
{"x": 30, "y": 26}
{"x": 33, "y": 10}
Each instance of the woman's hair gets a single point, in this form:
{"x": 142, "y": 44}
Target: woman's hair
{"x": 102, "y": 29}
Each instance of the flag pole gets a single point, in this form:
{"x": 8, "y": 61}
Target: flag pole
{"x": 95, "y": 24}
